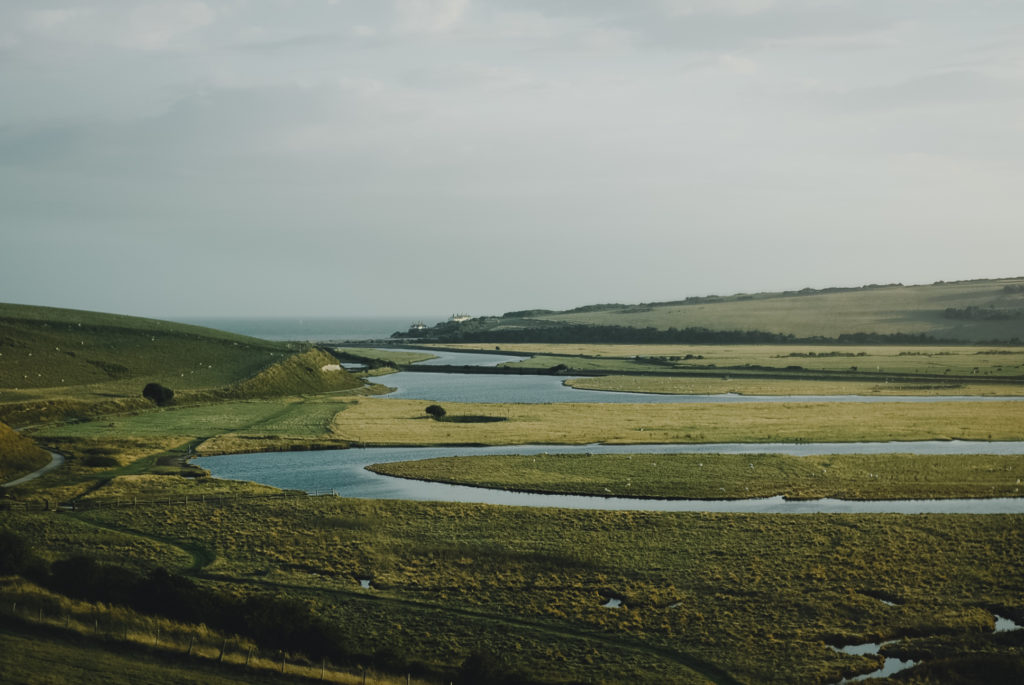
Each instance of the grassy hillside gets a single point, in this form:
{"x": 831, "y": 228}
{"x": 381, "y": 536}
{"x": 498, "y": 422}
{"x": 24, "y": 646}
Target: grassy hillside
{"x": 56, "y": 363}
{"x": 18, "y": 455}
{"x": 967, "y": 311}
{"x": 981, "y": 311}
{"x": 42, "y": 347}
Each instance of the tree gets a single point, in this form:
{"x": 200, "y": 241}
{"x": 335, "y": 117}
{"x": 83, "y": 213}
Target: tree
{"x": 437, "y": 411}
{"x": 158, "y": 393}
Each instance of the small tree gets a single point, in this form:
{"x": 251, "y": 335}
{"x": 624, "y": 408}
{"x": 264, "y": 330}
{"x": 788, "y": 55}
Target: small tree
{"x": 158, "y": 393}
{"x": 436, "y": 411}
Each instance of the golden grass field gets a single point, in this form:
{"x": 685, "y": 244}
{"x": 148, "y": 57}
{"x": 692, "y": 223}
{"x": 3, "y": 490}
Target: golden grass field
{"x": 747, "y": 386}
{"x": 372, "y": 421}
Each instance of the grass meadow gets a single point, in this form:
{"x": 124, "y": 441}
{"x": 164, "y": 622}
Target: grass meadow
{"x": 372, "y": 421}
{"x": 730, "y": 476}
{"x": 888, "y": 309}
{"x": 719, "y": 597}
{"x": 960, "y": 363}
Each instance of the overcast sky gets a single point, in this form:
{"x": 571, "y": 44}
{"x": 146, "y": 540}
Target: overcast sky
{"x": 337, "y": 157}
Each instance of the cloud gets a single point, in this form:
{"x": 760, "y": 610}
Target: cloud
{"x": 147, "y": 26}
{"x": 282, "y": 134}
{"x": 429, "y": 16}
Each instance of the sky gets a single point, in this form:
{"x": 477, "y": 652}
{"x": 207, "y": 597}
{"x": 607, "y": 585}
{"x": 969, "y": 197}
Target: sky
{"x": 395, "y": 157}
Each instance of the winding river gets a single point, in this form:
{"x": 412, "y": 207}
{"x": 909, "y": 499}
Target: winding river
{"x": 343, "y": 471}
{"x": 533, "y": 389}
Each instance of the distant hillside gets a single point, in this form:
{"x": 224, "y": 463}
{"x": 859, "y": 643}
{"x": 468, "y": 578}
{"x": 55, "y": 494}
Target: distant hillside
{"x": 60, "y": 362}
{"x": 965, "y": 311}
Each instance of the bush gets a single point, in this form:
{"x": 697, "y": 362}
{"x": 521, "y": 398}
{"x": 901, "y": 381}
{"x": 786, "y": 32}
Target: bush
{"x": 16, "y": 556}
{"x": 158, "y": 393}
{"x": 436, "y": 411}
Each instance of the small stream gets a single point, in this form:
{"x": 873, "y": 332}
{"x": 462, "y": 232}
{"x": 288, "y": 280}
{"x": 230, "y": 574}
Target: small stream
{"x": 892, "y": 665}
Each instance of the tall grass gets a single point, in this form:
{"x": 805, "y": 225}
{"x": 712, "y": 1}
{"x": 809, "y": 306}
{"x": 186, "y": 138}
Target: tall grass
{"x": 402, "y": 422}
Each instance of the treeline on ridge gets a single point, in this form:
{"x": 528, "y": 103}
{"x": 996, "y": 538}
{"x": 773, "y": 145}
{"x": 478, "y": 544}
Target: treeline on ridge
{"x": 688, "y": 336}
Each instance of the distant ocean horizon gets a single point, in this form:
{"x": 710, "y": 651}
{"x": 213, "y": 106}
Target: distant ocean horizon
{"x": 313, "y": 329}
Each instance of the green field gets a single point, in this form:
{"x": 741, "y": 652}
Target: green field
{"x": 57, "y": 364}
{"x": 372, "y": 421}
{"x": 884, "y": 310}
{"x": 778, "y": 369}
{"x": 730, "y": 476}
{"x": 725, "y": 598}
{"x": 89, "y": 352}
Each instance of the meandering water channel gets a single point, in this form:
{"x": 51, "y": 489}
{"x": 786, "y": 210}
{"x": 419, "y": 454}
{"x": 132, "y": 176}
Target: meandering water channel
{"x": 534, "y": 389}
{"x": 343, "y": 471}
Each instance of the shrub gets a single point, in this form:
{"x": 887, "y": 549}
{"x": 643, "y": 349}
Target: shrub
{"x": 436, "y": 411}
{"x": 158, "y": 393}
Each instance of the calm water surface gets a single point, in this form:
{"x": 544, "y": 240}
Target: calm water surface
{"x": 460, "y": 387}
{"x": 343, "y": 471}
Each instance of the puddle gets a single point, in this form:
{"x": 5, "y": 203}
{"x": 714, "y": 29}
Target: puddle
{"x": 613, "y": 603}
{"x": 1005, "y": 625}
{"x": 889, "y": 667}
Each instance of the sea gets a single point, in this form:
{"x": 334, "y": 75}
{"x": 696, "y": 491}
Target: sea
{"x": 314, "y": 329}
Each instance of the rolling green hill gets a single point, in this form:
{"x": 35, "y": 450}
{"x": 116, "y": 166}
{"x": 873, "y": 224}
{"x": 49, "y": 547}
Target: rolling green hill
{"x": 63, "y": 362}
{"x": 965, "y": 311}
{"x": 18, "y": 454}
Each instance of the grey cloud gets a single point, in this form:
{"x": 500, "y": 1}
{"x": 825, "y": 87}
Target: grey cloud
{"x": 270, "y": 143}
{"x": 961, "y": 87}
